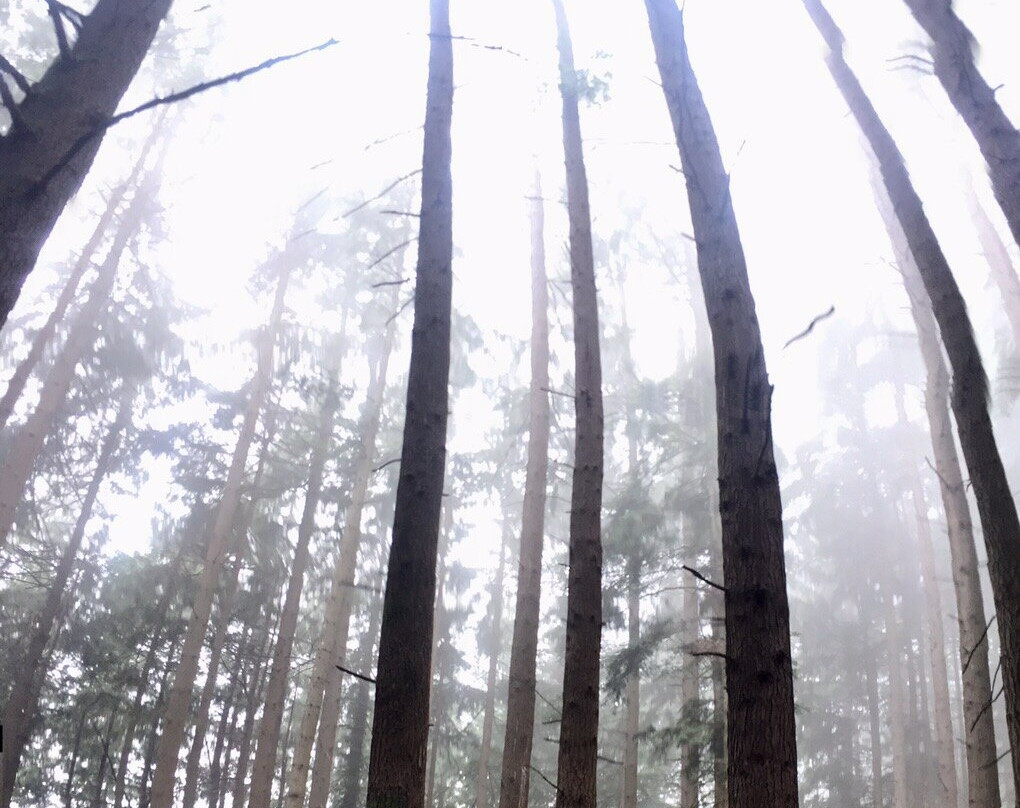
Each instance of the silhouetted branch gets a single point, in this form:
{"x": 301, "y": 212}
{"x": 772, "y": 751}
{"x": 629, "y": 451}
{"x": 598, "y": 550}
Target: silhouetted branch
{"x": 977, "y": 645}
{"x": 701, "y": 577}
{"x": 550, "y": 782}
{"x": 387, "y": 463}
{"x": 811, "y": 326}
{"x": 363, "y": 678}
{"x": 16, "y": 75}
{"x": 379, "y": 195}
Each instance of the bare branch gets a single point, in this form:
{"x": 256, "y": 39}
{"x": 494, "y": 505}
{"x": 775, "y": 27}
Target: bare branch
{"x": 379, "y": 195}
{"x": 702, "y": 578}
{"x": 368, "y": 679}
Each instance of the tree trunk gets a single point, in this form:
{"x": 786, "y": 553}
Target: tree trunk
{"x": 690, "y": 756}
{"x": 897, "y": 703}
{"x": 58, "y": 127}
{"x": 219, "y": 547}
{"x": 578, "y": 747}
{"x": 632, "y": 694}
{"x": 104, "y": 760}
{"x": 144, "y": 791}
{"x": 228, "y": 719}
{"x": 875, "y": 721}
{"x": 322, "y": 699}
{"x": 396, "y": 772}
{"x": 23, "y": 701}
{"x": 719, "y": 734}
{"x": 947, "y": 787}
{"x": 258, "y": 682}
{"x": 997, "y": 256}
{"x": 520, "y": 705}
{"x": 495, "y": 643}
{"x": 272, "y": 716}
{"x": 953, "y": 55}
{"x": 970, "y": 386}
{"x": 351, "y": 795}
{"x": 762, "y": 747}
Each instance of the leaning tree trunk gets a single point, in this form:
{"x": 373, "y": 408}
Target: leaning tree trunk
{"x": 520, "y": 705}
{"x": 219, "y": 545}
{"x": 762, "y": 762}
{"x": 23, "y": 701}
{"x": 974, "y": 99}
{"x": 970, "y": 386}
{"x": 264, "y": 764}
{"x": 58, "y": 127}
{"x": 997, "y": 256}
{"x": 578, "y": 747}
{"x": 396, "y": 771}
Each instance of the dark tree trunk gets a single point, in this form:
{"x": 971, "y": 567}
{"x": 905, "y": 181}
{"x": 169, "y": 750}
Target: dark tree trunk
{"x": 104, "y": 760}
{"x": 57, "y": 130}
{"x": 762, "y": 745}
{"x": 974, "y": 99}
{"x": 396, "y": 774}
{"x": 520, "y": 706}
{"x": 23, "y": 702}
{"x": 969, "y": 398}
{"x": 578, "y": 747}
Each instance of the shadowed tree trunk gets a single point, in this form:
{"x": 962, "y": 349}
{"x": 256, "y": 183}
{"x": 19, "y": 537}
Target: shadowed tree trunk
{"x": 351, "y": 794}
{"x": 24, "y": 697}
{"x": 396, "y": 771}
{"x": 969, "y": 397}
{"x": 56, "y": 129}
{"x": 762, "y": 751}
{"x": 520, "y": 705}
{"x": 578, "y": 747}
{"x": 955, "y": 66}
{"x": 219, "y": 547}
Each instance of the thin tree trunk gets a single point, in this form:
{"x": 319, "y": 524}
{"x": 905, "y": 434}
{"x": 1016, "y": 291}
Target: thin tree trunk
{"x": 282, "y": 775}
{"x": 104, "y": 760}
{"x": 219, "y": 547}
{"x": 520, "y": 706}
{"x": 440, "y": 627}
{"x": 762, "y": 747}
{"x": 351, "y": 795}
{"x": 248, "y": 730}
{"x": 578, "y": 747}
{"x": 56, "y": 130}
{"x": 228, "y": 720}
{"x": 396, "y": 772}
{"x": 690, "y": 756}
{"x": 997, "y": 255}
{"x": 23, "y": 701}
{"x": 875, "y": 723}
{"x": 946, "y": 795}
{"x": 632, "y": 693}
{"x": 897, "y": 703}
{"x": 495, "y": 643}
{"x": 719, "y": 734}
{"x": 969, "y": 399}
{"x": 272, "y": 716}
{"x": 144, "y": 790}
{"x": 72, "y": 765}
{"x": 974, "y": 99}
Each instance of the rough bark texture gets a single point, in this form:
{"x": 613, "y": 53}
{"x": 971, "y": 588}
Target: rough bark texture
{"x": 396, "y": 772}
{"x": 23, "y": 700}
{"x": 974, "y": 99}
{"x": 969, "y": 397}
{"x": 80, "y": 90}
{"x": 219, "y": 546}
{"x": 520, "y": 706}
{"x": 578, "y": 748}
{"x": 269, "y": 732}
{"x": 762, "y": 747}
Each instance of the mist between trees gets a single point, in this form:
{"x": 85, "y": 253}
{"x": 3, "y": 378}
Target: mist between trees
{"x": 567, "y": 404}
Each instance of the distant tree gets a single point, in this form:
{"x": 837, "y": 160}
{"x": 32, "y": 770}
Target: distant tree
{"x": 759, "y": 672}
{"x": 969, "y": 397}
{"x": 58, "y": 126}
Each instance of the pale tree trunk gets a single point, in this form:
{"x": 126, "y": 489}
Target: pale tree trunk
{"x": 144, "y": 789}
{"x": 42, "y": 339}
{"x": 997, "y": 256}
{"x": 257, "y": 685}
{"x": 28, "y": 443}
{"x": 578, "y": 747}
{"x": 719, "y": 734}
{"x": 690, "y": 757}
{"x": 969, "y": 398}
{"x": 104, "y": 759}
{"x": 23, "y": 701}
{"x": 322, "y": 698}
{"x": 874, "y": 722}
{"x": 947, "y": 791}
{"x": 974, "y": 99}
{"x": 632, "y": 693}
{"x": 495, "y": 643}
{"x": 762, "y": 748}
{"x": 219, "y": 547}
{"x": 520, "y": 707}
{"x": 897, "y": 702}
{"x": 228, "y": 719}
{"x": 351, "y": 795}
{"x": 396, "y": 770}
{"x": 269, "y": 732}
{"x": 57, "y": 129}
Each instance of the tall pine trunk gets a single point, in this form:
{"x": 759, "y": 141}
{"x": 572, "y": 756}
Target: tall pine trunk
{"x": 578, "y": 747}
{"x": 351, "y": 794}
{"x": 520, "y": 705}
{"x": 57, "y": 129}
{"x": 219, "y": 547}
{"x": 396, "y": 771}
{"x": 762, "y": 749}
{"x": 974, "y": 99}
{"x": 690, "y": 687}
{"x": 632, "y": 692}
{"x": 22, "y": 703}
{"x": 969, "y": 397}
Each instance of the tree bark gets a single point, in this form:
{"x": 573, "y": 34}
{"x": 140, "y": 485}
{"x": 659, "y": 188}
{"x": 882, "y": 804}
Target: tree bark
{"x": 999, "y": 141}
{"x": 578, "y": 747}
{"x": 219, "y": 546}
{"x": 997, "y": 256}
{"x": 23, "y": 701}
{"x": 396, "y": 772}
{"x": 264, "y": 764}
{"x": 897, "y": 703}
{"x": 520, "y": 705}
{"x": 58, "y": 127}
{"x": 875, "y": 721}
{"x": 690, "y": 757}
{"x": 228, "y": 719}
{"x": 351, "y": 794}
{"x": 632, "y": 694}
{"x": 762, "y": 748}
{"x": 969, "y": 398}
